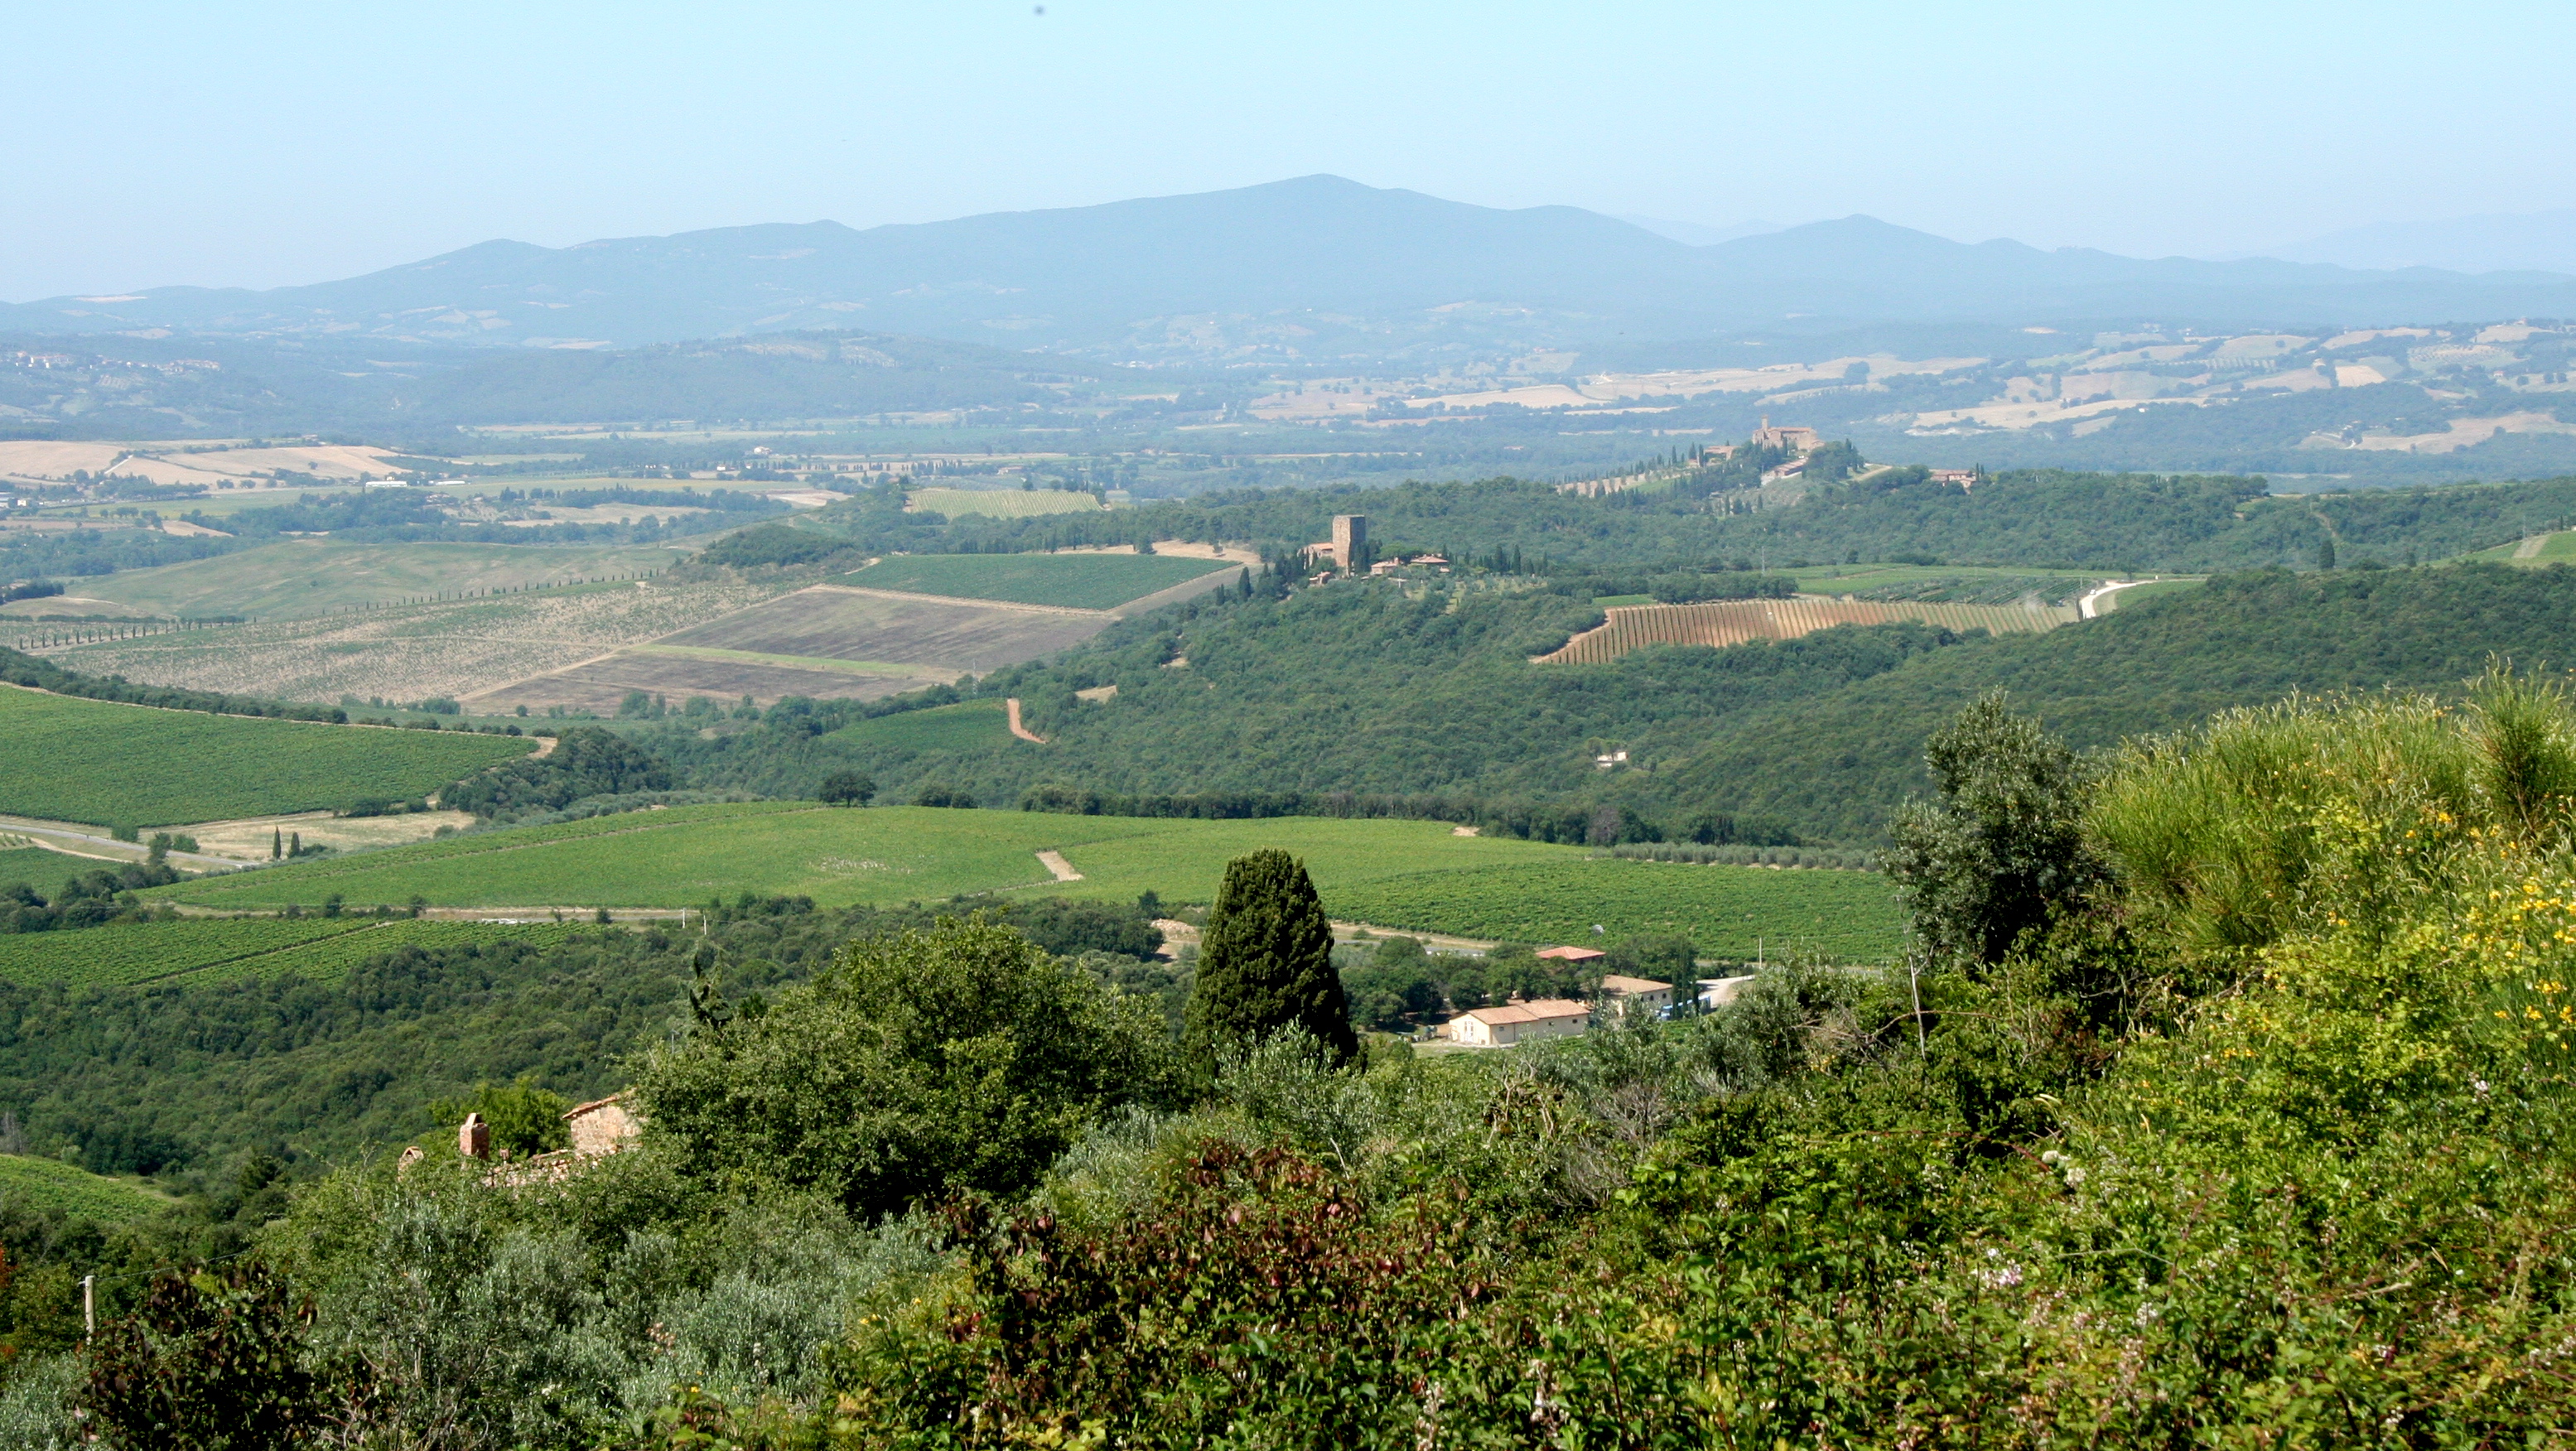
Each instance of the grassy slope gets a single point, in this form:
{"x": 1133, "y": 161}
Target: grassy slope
{"x": 1073, "y": 581}
{"x": 81, "y": 760}
{"x": 47, "y": 1184}
{"x": 126, "y": 952}
{"x": 1002, "y": 503}
{"x": 1837, "y": 764}
{"x": 968, "y": 726}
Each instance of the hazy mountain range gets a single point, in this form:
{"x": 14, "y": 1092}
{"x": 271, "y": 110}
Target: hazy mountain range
{"x": 2535, "y": 241}
{"x": 1316, "y": 268}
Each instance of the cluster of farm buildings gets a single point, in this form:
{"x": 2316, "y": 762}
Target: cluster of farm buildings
{"x": 1525, "y": 1020}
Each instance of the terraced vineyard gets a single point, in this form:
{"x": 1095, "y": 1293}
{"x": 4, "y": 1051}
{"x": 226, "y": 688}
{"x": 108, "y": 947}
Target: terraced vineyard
{"x": 1734, "y": 622}
{"x": 1727, "y": 911}
{"x": 63, "y": 759}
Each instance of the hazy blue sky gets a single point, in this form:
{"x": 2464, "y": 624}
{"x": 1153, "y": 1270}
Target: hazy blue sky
{"x": 266, "y": 143}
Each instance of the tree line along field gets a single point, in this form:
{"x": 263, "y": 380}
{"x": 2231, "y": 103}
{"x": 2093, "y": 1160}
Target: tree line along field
{"x": 1411, "y": 874}
{"x": 1068, "y": 581}
{"x": 64, "y": 759}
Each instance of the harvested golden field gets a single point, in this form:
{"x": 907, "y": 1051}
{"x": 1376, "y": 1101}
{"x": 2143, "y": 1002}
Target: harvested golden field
{"x": 1735, "y": 622}
{"x": 455, "y": 648}
{"x": 45, "y": 459}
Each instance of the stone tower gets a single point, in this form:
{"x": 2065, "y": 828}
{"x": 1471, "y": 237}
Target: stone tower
{"x": 1350, "y": 536}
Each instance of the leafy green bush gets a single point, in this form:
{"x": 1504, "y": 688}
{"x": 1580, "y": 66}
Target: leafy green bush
{"x": 961, "y": 1057}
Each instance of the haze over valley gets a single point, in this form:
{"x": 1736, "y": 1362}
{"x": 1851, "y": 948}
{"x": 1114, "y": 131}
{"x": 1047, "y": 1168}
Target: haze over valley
{"x": 1363, "y": 727}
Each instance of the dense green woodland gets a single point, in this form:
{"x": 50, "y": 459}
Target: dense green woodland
{"x": 186, "y": 1078}
{"x": 1365, "y": 699}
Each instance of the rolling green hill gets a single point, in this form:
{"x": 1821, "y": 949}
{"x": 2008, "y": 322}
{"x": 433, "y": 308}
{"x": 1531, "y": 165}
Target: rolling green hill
{"x": 66, "y": 759}
{"x": 1365, "y": 699}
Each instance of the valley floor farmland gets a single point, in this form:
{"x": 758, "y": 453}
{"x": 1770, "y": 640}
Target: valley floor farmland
{"x": 1394, "y": 873}
{"x": 303, "y": 578}
{"x": 452, "y": 648}
{"x": 827, "y": 641}
{"x": 90, "y": 761}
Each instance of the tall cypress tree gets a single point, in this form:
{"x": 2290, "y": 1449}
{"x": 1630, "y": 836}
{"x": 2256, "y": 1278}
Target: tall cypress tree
{"x": 1266, "y": 963}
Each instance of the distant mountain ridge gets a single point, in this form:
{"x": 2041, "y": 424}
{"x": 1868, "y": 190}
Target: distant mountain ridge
{"x": 1316, "y": 268}
{"x": 2534, "y": 241}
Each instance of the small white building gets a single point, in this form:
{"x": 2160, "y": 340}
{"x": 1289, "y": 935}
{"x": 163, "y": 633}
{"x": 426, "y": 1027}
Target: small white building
{"x": 1519, "y": 1022}
{"x": 1637, "y": 992}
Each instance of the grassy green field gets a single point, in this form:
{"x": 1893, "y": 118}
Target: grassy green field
{"x": 1183, "y": 861}
{"x": 683, "y": 856}
{"x": 84, "y": 760}
{"x": 48, "y": 1184}
{"x": 1393, "y": 873}
{"x": 2558, "y": 548}
{"x": 969, "y": 725}
{"x": 221, "y": 949}
{"x": 1001, "y": 503}
{"x": 39, "y": 868}
{"x": 676, "y": 858}
{"x": 300, "y": 578}
{"x": 128, "y": 952}
{"x": 1727, "y": 911}
{"x": 1073, "y": 581}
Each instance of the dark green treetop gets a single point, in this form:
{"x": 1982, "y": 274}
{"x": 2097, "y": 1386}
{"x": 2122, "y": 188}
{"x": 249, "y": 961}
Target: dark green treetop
{"x": 1266, "y": 963}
